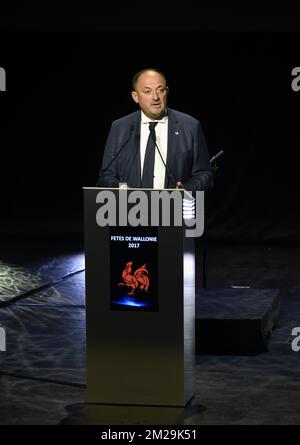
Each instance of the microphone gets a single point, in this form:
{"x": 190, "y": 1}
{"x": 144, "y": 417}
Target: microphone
{"x": 103, "y": 170}
{"x": 214, "y": 159}
{"x": 153, "y": 135}
{"x": 217, "y": 156}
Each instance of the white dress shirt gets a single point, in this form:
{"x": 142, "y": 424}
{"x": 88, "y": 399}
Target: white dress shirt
{"x": 161, "y": 130}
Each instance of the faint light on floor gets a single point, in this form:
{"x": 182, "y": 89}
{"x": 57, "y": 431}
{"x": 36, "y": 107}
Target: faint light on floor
{"x": 240, "y": 287}
{"x": 13, "y": 279}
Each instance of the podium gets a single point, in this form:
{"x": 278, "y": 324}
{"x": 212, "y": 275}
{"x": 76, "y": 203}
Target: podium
{"x": 140, "y": 302}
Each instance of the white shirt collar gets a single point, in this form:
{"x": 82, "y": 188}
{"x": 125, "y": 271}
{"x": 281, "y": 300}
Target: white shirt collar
{"x": 146, "y": 120}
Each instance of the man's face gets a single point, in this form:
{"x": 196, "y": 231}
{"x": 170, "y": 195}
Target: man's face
{"x": 151, "y": 94}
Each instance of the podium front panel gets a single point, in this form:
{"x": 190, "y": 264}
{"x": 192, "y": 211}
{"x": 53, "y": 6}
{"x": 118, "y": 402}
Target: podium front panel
{"x": 140, "y": 353}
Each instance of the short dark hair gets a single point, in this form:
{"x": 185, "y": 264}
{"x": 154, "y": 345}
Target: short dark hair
{"x": 139, "y": 73}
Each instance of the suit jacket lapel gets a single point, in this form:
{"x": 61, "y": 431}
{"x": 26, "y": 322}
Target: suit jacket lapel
{"x": 173, "y": 132}
{"x": 136, "y": 160}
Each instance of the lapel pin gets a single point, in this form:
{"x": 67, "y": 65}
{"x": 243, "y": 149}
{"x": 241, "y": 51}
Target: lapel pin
{"x": 177, "y": 133}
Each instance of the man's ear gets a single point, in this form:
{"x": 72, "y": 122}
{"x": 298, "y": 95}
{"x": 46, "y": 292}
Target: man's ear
{"x": 134, "y": 96}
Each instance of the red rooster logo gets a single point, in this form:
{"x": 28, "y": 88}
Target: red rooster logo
{"x": 138, "y": 280}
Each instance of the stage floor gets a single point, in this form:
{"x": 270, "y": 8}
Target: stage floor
{"x": 42, "y": 309}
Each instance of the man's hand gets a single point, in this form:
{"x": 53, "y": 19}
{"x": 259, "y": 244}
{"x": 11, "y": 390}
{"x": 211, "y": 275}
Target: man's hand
{"x": 123, "y": 185}
{"x": 179, "y": 185}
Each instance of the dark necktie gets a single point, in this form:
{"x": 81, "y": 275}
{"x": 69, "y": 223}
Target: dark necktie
{"x": 148, "y": 169}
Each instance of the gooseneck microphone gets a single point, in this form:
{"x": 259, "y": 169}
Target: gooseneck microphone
{"x": 213, "y": 160}
{"x": 153, "y": 135}
{"x": 170, "y": 175}
{"x": 217, "y": 156}
{"x": 114, "y": 157}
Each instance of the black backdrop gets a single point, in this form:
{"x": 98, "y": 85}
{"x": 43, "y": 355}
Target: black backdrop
{"x": 65, "y": 87}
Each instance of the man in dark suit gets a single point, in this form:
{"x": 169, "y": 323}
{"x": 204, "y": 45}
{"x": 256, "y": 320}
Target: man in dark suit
{"x": 155, "y": 147}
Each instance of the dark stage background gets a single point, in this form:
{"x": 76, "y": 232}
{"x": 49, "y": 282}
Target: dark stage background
{"x": 64, "y": 87}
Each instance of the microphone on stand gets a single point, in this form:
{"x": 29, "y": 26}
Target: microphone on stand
{"x": 153, "y": 135}
{"x": 104, "y": 169}
{"x": 170, "y": 175}
{"x": 214, "y": 159}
